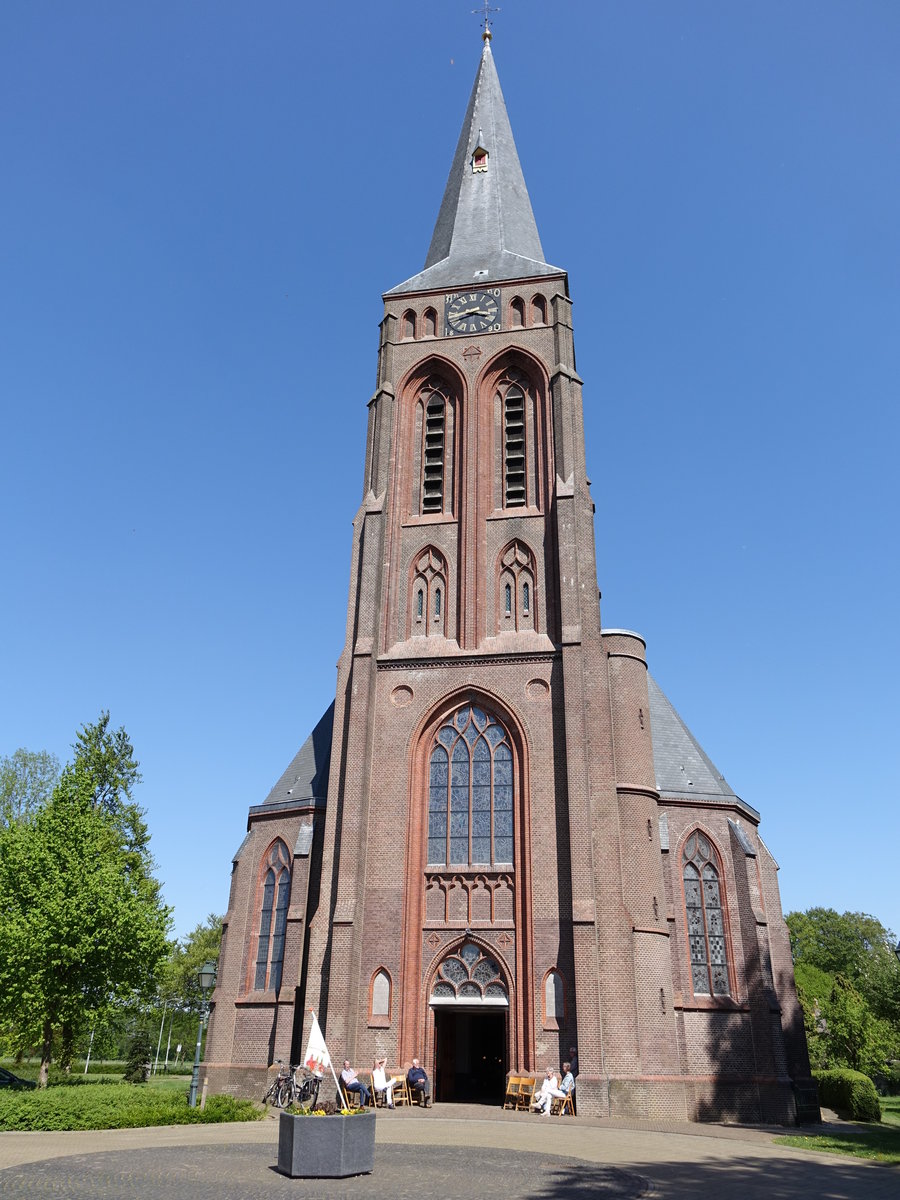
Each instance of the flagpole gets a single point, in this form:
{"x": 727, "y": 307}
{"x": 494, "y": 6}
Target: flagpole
{"x": 330, "y": 1063}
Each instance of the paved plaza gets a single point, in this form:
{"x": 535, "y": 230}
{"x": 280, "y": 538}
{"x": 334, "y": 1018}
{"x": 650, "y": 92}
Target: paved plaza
{"x": 452, "y": 1153}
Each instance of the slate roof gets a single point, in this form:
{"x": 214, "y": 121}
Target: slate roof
{"x": 485, "y": 228}
{"x": 683, "y": 768}
{"x": 306, "y": 778}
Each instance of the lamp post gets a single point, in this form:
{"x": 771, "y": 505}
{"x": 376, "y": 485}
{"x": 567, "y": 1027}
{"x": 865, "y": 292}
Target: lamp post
{"x": 207, "y": 978}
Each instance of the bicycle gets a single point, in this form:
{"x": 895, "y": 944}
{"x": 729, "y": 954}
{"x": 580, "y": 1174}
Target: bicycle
{"x": 287, "y": 1089}
{"x": 275, "y": 1088}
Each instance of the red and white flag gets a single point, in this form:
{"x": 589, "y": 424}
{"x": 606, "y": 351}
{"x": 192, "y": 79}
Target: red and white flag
{"x": 316, "y": 1057}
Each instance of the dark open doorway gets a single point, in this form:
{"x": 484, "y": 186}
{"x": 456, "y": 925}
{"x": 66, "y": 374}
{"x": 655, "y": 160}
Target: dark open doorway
{"x": 470, "y": 1056}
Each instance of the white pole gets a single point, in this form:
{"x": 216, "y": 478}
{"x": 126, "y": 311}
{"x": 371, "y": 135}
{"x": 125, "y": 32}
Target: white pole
{"x": 330, "y": 1063}
{"x": 168, "y": 1043}
{"x": 87, "y": 1061}
{"x": 159, "y": 1039}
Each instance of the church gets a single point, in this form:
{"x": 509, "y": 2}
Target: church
{"x": 501, "y": 840}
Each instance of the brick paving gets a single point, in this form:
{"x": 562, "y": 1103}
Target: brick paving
{"x": 447, "y": 1152}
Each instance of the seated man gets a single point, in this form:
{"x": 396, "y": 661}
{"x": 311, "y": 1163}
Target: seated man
{"x": 419, "y": 1083}
{"x": 352, "y": 1084}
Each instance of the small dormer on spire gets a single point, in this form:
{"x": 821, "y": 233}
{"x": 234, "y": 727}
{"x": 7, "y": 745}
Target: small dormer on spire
{"x": 480, "y": 155}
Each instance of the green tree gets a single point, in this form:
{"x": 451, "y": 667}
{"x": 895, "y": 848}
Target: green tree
{"x": 27, "y": 780}
{"x": 848, "y": 981}
{"x": 84, "y": 925}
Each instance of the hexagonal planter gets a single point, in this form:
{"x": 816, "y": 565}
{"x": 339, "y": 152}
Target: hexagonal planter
{"x": 326, "y": 1147}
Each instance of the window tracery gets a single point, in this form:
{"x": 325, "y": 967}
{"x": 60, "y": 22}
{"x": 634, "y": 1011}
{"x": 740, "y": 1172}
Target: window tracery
{"x": 276, "y": 891}
{"x": 704, "y": 909}
{"x": 470, "y": 791}
{"x": 429, "y": 584}
{"x": 516, "y": 583}
{"x": 469, "y": 974}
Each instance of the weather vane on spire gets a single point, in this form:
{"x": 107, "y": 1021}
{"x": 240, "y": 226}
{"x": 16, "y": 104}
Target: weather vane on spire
{"x": 486, "y": 21}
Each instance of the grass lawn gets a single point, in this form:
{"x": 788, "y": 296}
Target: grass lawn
{"x": 880, "y": 1143}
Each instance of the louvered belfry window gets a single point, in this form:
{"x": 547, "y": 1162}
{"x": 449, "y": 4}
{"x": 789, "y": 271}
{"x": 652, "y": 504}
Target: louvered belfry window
{"x": 470, "y": 792}
{"x": 705, "y": 918}
{"x": 433, "y": 456}
{"x": 514, "y": 446}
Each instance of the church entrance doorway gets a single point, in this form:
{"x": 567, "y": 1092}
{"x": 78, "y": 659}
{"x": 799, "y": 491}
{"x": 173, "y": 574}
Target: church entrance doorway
{"x": 470, "y": 1056}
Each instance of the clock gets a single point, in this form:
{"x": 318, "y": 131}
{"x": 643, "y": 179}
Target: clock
{"x": 472, "y": 312}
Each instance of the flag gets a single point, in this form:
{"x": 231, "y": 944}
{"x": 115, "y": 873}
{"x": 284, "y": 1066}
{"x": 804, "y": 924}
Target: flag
{"x": 316, "y": 1058}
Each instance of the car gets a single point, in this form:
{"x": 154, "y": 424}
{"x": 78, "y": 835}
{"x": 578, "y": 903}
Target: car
{"x": 8, "y": 1080}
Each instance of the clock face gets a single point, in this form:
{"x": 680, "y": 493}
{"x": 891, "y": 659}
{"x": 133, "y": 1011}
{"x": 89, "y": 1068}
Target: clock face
{"x": 472, "y": 312}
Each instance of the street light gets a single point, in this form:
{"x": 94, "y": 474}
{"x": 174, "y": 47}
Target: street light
{"x": 207, "y": 977}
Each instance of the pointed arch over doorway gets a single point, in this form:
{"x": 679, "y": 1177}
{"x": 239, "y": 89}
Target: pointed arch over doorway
{"x": 469, "y": 1001}
{"x": 469, "y": 780}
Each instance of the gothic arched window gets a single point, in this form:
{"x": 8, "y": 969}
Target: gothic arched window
{"x": 380, "y": 998}
{"x": 276, "y": 894}
{"x": 430, "y": 322}
{"x": 554, "y": 1000}
{"x": 409, "y": 324}
{"x": 516, "y": 312}
{"x": 429, "y": 584}
{"x": 470, "y": 791}
{"x": 539, "y": 310}
{"x": 704, "y": 908}
{"x": 516, "y": 575}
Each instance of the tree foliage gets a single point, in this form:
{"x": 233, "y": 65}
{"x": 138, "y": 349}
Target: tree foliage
{"x": 848, "y": 981}
{"x": 27, "y": 780}
{"x": 84, "y": 924}
{"x": 178, "y": 979}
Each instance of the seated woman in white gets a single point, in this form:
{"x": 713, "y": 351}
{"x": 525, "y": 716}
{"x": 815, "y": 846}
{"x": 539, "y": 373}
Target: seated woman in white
{"x": 380, "y": 1083}
{"x": 543, "y": 1097}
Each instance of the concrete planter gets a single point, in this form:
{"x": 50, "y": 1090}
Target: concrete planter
{"x": 326, "y": 1147}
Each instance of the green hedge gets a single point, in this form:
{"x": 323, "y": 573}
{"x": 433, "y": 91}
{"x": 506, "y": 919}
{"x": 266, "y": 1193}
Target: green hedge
{"x": 114, "y": 1106}
{"x": 851, "y": 1094}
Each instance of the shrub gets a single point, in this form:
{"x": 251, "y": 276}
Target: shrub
{"x": 115, "y": 1106}
{"x": 851, "y": 1094}
{"x": 140, "y": 1052}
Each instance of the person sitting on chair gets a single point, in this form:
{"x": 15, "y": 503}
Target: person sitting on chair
{"x": 419, "y": 1082}
{"x": 565, "y": 1088}
{"x": 381, "y": 1083}
{"x": 353, "y": 1084}
{"x": 543, "y": 1098}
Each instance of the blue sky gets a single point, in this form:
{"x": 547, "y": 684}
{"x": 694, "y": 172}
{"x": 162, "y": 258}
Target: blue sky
{"x": 202, "y": 204}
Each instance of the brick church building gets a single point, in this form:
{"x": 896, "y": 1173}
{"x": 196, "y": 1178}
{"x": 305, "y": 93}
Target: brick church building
{"x": 501, "y": 840}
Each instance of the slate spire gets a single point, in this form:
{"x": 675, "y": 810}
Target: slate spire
{"x": 485, "y": 229}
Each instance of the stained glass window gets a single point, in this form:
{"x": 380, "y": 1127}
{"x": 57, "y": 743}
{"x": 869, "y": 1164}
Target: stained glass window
{"x": 469, "y": 974}
{"x": 276, "y": 894}
{"x": 705, "y": 918}
{"x": 470, "y": 792}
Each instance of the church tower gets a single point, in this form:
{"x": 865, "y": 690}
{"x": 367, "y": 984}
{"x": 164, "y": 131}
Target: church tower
{"x": 501, "y": 841}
